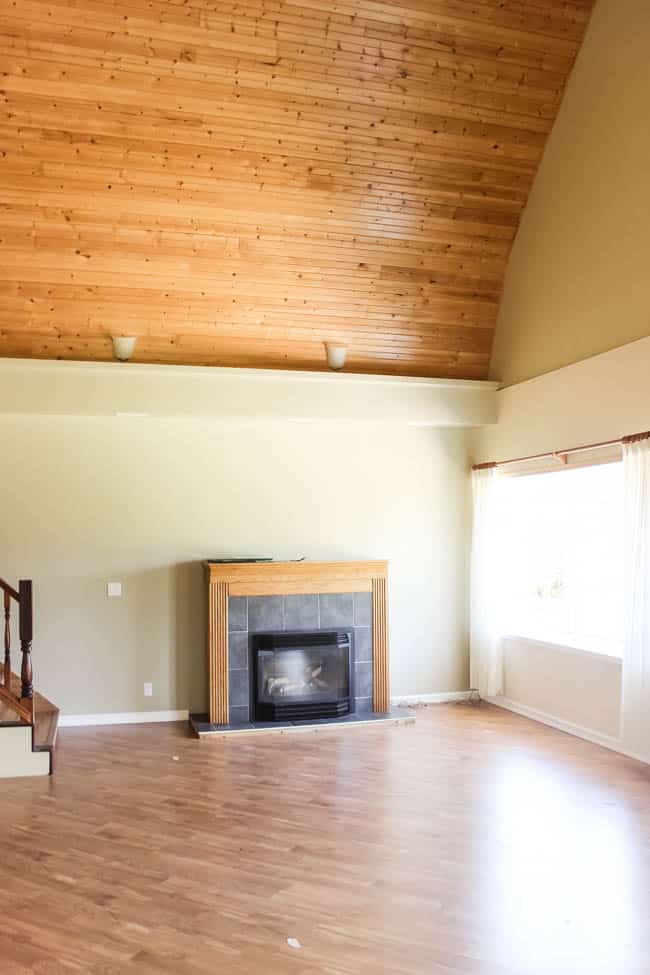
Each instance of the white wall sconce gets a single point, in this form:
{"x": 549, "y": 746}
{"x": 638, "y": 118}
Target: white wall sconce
{"x": 336, "y": 354}
{"x": 123, "y": 347}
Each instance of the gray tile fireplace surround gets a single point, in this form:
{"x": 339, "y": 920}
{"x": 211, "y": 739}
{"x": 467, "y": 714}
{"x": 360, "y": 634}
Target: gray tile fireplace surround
{"x": 257, "y": 614}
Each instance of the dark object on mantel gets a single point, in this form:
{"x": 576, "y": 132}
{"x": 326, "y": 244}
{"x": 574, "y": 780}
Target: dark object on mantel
{"x": 251, "y": 561}
{"x": 262, "y": 558}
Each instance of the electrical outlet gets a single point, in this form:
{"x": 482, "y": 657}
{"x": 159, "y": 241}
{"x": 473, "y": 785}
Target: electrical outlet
{"x": 113, "y": 588}
{"x": 148, "y": 690}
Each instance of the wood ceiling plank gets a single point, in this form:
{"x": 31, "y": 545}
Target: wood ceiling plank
{"x": 457, "y": 97}
{"x": 86, "y": 46}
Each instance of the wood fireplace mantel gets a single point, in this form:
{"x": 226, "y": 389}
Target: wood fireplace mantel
{"x": 287, "y": 579}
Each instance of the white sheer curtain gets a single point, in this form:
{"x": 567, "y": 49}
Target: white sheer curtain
{"x": 635, "y": 710}
{"x": 486, "y": 652}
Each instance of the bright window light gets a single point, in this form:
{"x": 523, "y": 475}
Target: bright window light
{"x": 562, "y": 560}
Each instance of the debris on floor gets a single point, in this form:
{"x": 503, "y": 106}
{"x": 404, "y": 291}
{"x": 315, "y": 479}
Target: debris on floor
{"x": 294, "y": 943}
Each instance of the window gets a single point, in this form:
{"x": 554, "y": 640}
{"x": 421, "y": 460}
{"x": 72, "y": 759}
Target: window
{"x": 562, "y": 564}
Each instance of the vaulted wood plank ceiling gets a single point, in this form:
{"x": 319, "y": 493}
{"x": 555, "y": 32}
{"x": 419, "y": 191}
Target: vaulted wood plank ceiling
{"x": 237, "y": 182}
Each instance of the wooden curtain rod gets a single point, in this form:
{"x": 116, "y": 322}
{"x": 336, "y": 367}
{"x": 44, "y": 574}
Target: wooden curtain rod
{"x": 633, "y": 438}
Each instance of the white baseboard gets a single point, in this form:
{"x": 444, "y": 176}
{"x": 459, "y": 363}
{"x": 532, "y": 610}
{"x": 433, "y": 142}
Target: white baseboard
{"x": 605, "y": 741}
{"x": 123, "y": 717}
{"x": 443, "y": 697}
{"x": 150, "y": 717}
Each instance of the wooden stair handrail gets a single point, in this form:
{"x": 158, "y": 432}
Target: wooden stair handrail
{"x": 10, "y": 589}
{"x": 22, "y": 703}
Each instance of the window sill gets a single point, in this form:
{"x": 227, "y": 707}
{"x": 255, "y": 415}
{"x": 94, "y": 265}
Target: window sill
{"x": 564, "y": 648}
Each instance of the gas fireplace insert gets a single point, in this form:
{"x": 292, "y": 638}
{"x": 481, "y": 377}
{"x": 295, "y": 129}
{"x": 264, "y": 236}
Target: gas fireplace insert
{"x": 301, "y": 675}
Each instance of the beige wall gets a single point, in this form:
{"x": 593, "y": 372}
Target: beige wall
{"x": 602, "y": 398}
{"x": 576, "y": 283}
{"x": 143, "y": 500}
{"x": 580, "y": 689}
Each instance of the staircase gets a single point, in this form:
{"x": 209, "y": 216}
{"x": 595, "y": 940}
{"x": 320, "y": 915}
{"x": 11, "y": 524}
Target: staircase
{"x": 28, "y": 721}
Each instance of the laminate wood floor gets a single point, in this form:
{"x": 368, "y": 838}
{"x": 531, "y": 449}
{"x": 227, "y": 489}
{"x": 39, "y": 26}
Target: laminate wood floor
{"x": 472, "y": 842}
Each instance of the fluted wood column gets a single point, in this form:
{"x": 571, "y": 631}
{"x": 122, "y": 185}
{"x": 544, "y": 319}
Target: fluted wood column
{"x": 380, "y": 681}
{"x": 218, "y": 651}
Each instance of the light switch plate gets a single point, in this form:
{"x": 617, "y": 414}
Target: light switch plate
{"x": 148, "y": 690}
{"x": 114, "y": 589}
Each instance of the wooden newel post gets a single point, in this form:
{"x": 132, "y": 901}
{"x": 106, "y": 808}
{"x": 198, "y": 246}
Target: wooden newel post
{"x": 26, "y": 633}
{"x": 7, "y": 666}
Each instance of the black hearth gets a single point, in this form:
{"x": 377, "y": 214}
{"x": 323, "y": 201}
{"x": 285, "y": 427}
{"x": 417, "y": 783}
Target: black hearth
{"x": 301, "y": 676}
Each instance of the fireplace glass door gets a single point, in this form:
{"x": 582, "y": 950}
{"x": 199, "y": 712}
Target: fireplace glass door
{"x": 301, "y": 675}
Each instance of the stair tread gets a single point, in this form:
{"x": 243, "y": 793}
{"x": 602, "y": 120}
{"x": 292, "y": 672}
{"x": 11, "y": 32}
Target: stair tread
{"x": 45, "y": 733}
{"x": 42, "y": 703}
{"x": 46, "y": 722}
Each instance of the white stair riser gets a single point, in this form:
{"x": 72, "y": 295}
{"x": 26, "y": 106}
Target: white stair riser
{"x": 16, "y": 756}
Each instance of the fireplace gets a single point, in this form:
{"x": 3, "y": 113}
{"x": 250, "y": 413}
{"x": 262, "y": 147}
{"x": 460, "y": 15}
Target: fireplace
{"x": 301, "y": 675}
{"x": 250, "y": 599}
